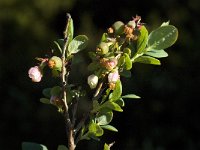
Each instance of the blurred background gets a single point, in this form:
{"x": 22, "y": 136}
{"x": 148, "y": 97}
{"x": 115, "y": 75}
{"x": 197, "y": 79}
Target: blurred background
{"x": 165, "y": 118}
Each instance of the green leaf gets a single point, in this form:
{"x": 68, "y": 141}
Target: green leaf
{"x": 33, "y": 146}
{"x": 157, "y": 53}
{"x": 62, "y": 147}
{"x": 120, "y": 102}
{"x": 104, "y": 37}
{"x": 77, "y": 44}
{"x": 93, "y": 66}
{"x": 59, "y": 44}
{"x": 117, "y": 92}
{"x": 45, "y": 100}
{"x": 147, "y": 60}
{"x": 47, "y": 92}
{"x": 128, "y": 62}
{"x": 95, "y": 129}
{"x": 142, "y": 40}
{"x": 56, "y": 90}
{"x": 104, "y": 117}
{"x": 133, "y": 96}
{"x": 163, "y": 37}
{"x": 69, "y": 31}
{"x": 165, "y": 23}
{"x": 112, "y": 105}
{"x": 125, "y": 73}
{"x": 109, "y": 127}
{"x": 106, "y": 147}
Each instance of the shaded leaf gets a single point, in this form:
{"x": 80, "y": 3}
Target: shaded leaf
{"x": 147, "y": 60}
{"x": 56, "y": 90}
{"x": 163, "y": 37}
{"x": 33, "y": 146}
{"x": 62, "y": 147}
{"x": 77, "y": 44}
{"x": 47, "y": 92}
{"x": 157, "y": 53}
{"x": 133, "y": 96}
{"x": 125, "y": 73}
{"x": 109, "y": 127}
{"x": 45, "y": 100}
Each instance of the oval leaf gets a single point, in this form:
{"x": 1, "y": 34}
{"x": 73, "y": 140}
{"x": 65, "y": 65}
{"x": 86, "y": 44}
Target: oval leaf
{"x": 133, "y": 96}
{"x": 109, "y": 127}
{"x": 69, "y": 30}
{"x": 157, "y": 53}
{"x": 104, "y": 118}
{"x": 128, "y": 62}
{"x": 142, "y": 40}
{"x": 77, "y": 44}
{"x": 95, "y": 129}
{"x": 33, "y": 146}
{"x": 62, "y": 147}
{"x": 117, "y": 92}
{"x": 106, "y": 147}
{"x": 45, "y": 100}
{"x": 112, "y": 105}
{"x": 147, "y": 60}
{"x": 163, "y": 37}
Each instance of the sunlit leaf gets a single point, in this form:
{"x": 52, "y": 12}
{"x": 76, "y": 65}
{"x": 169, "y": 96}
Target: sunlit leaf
{"x": 112, "y": 105}
{"x": 157, "y": 53}
{"x": 104, "y": 117}
{"x": 106, "y": 147}
{"x": 128, "y": 62}
{"x": 117, "y": 92}
{"x": 132, "y": 96}
{"x": 95, "y": 129}
{"x": 147, "y": 60}
{"x": 109, "y": 127}
{"x": 163, "y": 37}
{"x": 77, "y": 44}
{"x": 142, "y": 40}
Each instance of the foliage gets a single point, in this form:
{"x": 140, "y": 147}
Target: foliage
{"x": 120, "y": 47}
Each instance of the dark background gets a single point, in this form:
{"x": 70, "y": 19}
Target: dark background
{"x": 167, "y": 116}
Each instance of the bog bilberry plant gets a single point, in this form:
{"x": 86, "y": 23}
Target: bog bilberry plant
{"x": 119, "y": 48}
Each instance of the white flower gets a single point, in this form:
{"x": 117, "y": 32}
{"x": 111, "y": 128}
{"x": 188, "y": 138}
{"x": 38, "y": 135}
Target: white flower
{"x": 113, "y": 77}
{"x": 35, "y": 74}
{"x": 93, "y": 81}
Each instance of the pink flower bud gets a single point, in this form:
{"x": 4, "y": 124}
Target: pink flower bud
{"x": 35, "y": 74}
{"x": 113, "y": 77}
{"x": 92, "y": 81}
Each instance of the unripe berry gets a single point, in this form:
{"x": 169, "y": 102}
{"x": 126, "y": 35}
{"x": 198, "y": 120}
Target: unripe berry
{"x": 93, "y": 81}
{"x": 118, "y": 27}
{"x": 103, "y": 48}
{"x": 55, "y": 63}
{"x": 131, "y": 24}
